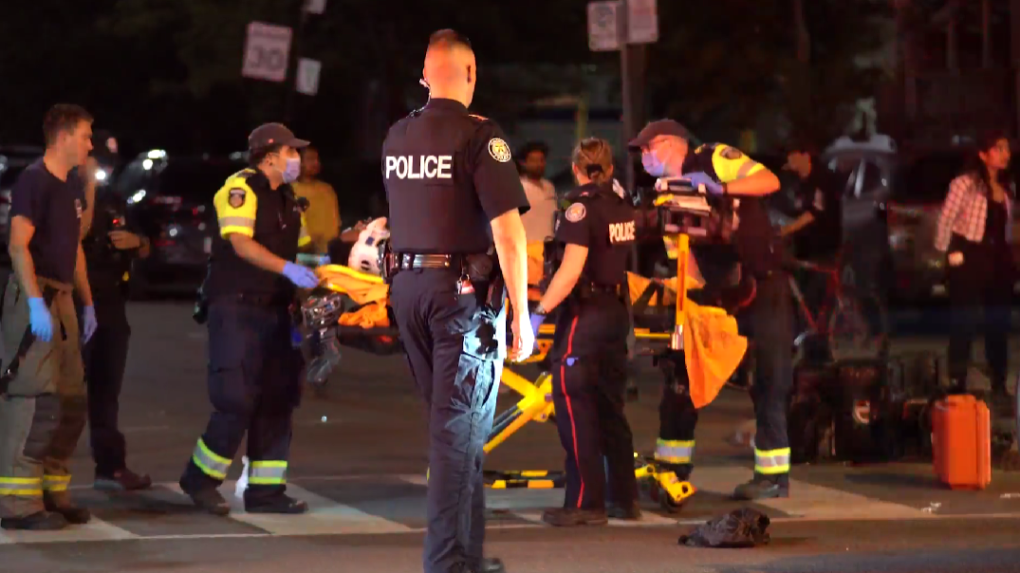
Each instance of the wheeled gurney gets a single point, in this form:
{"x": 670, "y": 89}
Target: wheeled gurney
{"x": 350, "y": 308}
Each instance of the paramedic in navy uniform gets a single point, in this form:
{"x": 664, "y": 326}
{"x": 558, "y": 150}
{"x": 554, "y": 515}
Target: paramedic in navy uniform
{"x": 454, "y": 194}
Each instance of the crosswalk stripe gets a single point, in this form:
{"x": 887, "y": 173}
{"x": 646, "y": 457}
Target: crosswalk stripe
{"x": 807, "y": 501}
{"x": 324, "y": 517}
{"x": 95, "y": 530}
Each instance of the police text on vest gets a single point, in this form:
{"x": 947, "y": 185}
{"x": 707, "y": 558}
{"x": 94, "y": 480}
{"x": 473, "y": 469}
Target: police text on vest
{"x": 420, "y": 166}
{"x": 621, "y": 232}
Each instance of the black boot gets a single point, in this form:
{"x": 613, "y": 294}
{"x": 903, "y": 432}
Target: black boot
{"x": 39, "y": 521}
{"x": 629, "y": 512}
{"x": 72, "y": 514}
{"x": 763, "y": 487}
{"x": 572, "y": 517}
{"x": 208, "y": 499}
{"x": 492, "y": 565}
{"x": 275, "y": 504}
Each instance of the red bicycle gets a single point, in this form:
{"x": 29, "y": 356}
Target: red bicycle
{"x": 854, "y": 322}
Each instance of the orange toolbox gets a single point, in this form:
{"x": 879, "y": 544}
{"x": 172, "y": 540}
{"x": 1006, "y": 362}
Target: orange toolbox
{"x": 962, "y": 442}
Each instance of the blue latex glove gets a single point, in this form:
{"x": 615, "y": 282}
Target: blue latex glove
{"x": 302, "y": 277}
{"x": 88, "y": 326}
{"x": 40, "y": 319}
{"x": 536, "y": 322}
{"x": 701, "y": 178}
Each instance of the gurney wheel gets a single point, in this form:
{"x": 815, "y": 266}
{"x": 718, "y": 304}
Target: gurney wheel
{"x": 666, "y": 502}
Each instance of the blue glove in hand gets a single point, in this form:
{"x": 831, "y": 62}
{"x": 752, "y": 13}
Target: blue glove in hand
{"x": 40, "y": 319}
{"x": 536, "y": 322}
{"x": 302, "y": 277}
{"x": 88, "y": 327}
{"x": 701, "y": 178}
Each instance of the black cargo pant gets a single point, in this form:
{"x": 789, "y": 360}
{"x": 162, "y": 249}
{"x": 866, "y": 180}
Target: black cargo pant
{"x": 589, "y": 366}
{"x": 455, "y": 346}
{"x": 674, "y": 448}
{"x": 980, "y": 292}
{"x": 105, "y": 358}
{"x": 254, "y": 386}
{"x": 768, "y": 325}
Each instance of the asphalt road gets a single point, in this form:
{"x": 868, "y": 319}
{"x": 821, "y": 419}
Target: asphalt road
{"x": 358, "y": 457}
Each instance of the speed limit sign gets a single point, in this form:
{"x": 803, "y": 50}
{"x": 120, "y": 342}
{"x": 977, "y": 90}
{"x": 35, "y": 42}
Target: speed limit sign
{"x": 266, "y": 52}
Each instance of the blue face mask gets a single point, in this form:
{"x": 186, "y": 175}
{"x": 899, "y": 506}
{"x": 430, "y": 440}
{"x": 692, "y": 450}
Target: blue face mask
{"x": 652, "y": 165}
{"x": 292, "y": 171}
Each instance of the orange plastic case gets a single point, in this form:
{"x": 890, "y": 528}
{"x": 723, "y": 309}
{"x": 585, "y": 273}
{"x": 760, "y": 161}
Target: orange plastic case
{"x": 962, "y": 442}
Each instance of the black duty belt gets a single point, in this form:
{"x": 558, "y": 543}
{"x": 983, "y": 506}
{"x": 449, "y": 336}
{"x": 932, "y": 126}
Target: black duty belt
{"x": 408, "y": 261}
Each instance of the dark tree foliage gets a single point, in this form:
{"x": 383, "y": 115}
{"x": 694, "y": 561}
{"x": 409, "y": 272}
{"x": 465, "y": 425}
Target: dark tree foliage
{"x": 167, "y": 72}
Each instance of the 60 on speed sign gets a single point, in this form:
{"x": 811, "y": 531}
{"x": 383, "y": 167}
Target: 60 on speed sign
{"x": 267, "y": 52}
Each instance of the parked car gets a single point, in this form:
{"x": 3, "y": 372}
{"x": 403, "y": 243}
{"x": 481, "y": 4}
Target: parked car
{"x": 170, "y": 198}
{"x": 919, "y": 189}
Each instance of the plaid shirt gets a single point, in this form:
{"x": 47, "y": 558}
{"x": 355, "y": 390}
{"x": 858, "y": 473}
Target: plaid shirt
{"x": 965, "y": 212}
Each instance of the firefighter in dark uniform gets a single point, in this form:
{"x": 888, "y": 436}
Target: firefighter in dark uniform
{"x": 589, "y": 353}
{"x": 454, "y": 195}
{"x": 254, "y": 371}
{"x": 746, "y": 271}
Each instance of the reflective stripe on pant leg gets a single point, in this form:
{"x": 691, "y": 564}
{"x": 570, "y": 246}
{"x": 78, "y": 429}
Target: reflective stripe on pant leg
{"x": 56, "y": 483}
{"x": 674, "y": 451}
{"x": 772, "y": 462}
{"x": 24, "y": 487}
{"x": 267, "y": 473}
{"x": 212, "y": 464}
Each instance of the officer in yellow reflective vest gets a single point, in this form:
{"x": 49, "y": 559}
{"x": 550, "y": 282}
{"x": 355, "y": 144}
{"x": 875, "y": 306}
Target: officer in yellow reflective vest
{"x": 254, "y": 371}
{"x": 764, "y": 313}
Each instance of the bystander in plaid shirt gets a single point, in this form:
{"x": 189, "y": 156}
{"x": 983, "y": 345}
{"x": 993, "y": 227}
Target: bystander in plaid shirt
{"x": 966, "y": 210}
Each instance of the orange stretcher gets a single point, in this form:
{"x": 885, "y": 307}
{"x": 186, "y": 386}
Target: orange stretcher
{"x": 666, "y": 321}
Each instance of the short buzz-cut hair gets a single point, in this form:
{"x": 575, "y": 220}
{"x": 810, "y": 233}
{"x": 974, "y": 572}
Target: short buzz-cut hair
{"x": 63, "y": 117}
{"x": 449, "y": 38}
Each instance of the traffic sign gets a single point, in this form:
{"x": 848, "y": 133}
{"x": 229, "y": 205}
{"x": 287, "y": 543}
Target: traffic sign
{"x": 308, "y": 76}
{"x": 315, "y": 6}
{"x": 604, "y": 26}
{"x": 266, "y": 52}
{"x": 642, "y": 22}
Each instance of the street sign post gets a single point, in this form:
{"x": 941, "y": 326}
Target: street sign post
{"x": 613, "y": 26}
{"x": 266, "y": 52}
{"x": 315, "y": 6}
{"x": 308, "y": 76}
{"x": 604, "y": 26}
{"x": 642, "y": 22}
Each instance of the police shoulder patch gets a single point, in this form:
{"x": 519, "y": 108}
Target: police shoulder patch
{"x": 575, "y": 212}
{"x": 499, "y": 150}
{"x": 730, "y": 153}
{"x": 236, "y": 197}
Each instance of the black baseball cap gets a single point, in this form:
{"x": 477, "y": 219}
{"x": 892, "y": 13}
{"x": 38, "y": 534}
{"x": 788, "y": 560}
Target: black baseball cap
{"x": 657, "y": 128}
{"x": 269, "y": 134}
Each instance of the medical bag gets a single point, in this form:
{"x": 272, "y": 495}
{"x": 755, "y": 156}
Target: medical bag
{"x": 867, "y": 412}
{"x": 844, "y": 411}
{"x": 961, "y": 442}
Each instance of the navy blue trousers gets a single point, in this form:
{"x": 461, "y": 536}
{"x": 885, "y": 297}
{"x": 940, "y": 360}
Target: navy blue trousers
{"x": 455, "y": 346}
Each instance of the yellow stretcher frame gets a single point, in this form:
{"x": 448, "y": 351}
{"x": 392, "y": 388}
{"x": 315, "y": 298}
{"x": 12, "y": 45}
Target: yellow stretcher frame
{"x": 536, "y": 403}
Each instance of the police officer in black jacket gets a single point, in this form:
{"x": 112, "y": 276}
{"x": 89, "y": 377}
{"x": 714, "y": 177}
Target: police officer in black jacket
{"x": 751, "y": 251}
{"x": 454, "y": 194}
{"x": 589, "y": 355}
{"x": 254, "y": 371}
{"x": 110, "y": 245}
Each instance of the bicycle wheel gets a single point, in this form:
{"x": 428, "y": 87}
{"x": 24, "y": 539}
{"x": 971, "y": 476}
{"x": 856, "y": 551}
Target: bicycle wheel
{"x": 858, "y": 326}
